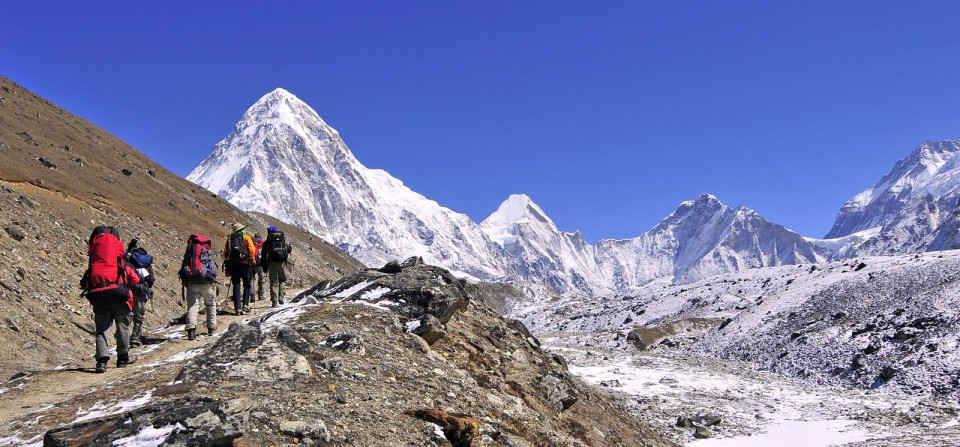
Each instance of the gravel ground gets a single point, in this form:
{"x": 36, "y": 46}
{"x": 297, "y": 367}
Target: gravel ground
{"x": 757, "y": 407}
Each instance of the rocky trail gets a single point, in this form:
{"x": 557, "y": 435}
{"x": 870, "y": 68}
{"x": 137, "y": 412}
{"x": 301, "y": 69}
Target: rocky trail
{"x": 35, "y": 402}
{"x": 411, "y": 356}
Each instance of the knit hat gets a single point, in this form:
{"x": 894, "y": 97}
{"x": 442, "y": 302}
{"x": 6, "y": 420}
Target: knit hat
{"x": 272, "y": 229}
{"x": 238, "y": 226}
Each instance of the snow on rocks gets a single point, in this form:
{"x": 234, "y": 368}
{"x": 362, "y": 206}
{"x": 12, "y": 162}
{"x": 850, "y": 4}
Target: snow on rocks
{"x": 880, "y": 322}
{"x": 688, "y": 397}
{"x": 869, "y": 344}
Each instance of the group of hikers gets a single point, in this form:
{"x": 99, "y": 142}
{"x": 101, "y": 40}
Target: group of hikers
{"x": 118, "y": 282}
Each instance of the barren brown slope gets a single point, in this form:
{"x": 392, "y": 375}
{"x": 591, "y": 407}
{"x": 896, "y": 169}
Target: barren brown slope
{"x": 60, "y": 176}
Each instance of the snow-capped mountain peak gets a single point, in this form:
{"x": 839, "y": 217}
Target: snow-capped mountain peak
{"x": 517, "y": 209}
{"x": 281, "y": 107}
{"x": 282, "y": 159}
{"x": 931, "y": 169}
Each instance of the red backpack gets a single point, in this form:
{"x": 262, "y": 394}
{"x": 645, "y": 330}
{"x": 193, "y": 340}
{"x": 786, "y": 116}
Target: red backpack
{"x": 198, "y": 265}
{"x": 106, "y": 267}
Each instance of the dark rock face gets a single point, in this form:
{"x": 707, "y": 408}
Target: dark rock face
{"x": 460, "y": 429}
{"x": 192, "y": 421}
{"x": 15, "y": 233}
{"x": 411, "y": 291}
{"x": 346, "y": 342}
{"x": 561, "y": 392}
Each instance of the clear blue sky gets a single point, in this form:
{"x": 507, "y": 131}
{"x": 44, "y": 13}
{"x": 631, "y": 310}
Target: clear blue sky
{"x": 608, "y": 114}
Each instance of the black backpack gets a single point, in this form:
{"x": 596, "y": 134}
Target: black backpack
{"x": 276, "y": 247}
{"x": 238, "y": 248}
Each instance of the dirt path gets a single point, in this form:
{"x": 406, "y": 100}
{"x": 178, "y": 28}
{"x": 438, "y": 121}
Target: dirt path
{"x": 39, "y": 401}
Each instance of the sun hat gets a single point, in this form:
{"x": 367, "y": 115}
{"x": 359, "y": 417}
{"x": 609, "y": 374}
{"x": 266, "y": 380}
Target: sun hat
{"x": 238, "y": 226}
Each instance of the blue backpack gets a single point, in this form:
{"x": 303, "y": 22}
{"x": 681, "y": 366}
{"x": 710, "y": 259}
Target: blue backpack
{"x": 140, "y": 259}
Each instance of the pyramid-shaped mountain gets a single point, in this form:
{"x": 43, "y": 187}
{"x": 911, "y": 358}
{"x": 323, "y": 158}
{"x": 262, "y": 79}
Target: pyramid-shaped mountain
{"x": 282, "y": 159}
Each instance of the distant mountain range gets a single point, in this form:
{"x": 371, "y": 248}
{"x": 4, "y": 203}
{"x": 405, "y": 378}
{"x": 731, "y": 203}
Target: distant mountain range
{"x": 282, "y": 159}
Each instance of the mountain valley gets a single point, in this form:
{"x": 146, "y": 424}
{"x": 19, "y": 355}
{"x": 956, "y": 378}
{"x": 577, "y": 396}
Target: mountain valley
{"x": 715, "y": 325}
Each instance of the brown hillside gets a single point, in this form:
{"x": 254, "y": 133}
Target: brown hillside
{"x": 60, "y": 176}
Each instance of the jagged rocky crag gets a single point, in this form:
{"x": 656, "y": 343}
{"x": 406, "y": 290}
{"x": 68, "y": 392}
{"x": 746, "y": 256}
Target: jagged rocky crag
{"x": 889, "y": 323}
{"x": 345, "y": 367}
{"x": 60, "y": 176}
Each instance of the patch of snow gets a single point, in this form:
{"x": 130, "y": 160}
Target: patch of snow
{"x": 412, "y": 325}
{"x": 178, "y": 357}
{"x": 13, "y": 440}
{"x": 795, "y": 433}
{"x": 438, "y": 432}
{"x": 100, "y": 409}
{"x": 353, "y": 290}
{"x": 375, "y": 294}
{"x": 149, "y": 436}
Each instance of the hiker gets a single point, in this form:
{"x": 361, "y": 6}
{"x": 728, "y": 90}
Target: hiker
{"x": 106, "y": 284}
{"x": 237, "y": 255}
{"x": 274, "y": 257}
{"x": 198, "y": 274}
{"x": 142, "y": 262}
{"x": 257, "y": 268}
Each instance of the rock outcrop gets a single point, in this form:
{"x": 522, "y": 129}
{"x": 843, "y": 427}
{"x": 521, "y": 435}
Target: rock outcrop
{"x": 342, "y": 366}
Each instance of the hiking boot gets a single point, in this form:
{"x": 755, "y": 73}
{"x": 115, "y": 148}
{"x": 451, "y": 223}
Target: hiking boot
{"x": 211, "y": 330}
{"x": 273, "y": 304}
{"x": 135, "y": 342}
{"x": 191, "y": 334}
{"x": 101, "y": 366}
{"x": 281, "y": 300}
{"x": 125, "y": 360}
{"x": 246, "y": 309}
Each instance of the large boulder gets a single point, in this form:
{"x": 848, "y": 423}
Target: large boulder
{"x": 245, "y": 352}
{"x": 190, "y": 421}
{"x": 412, "y": 290}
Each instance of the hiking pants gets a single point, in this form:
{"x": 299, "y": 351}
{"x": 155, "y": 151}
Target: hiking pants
{"x": 110, "y": 307}
{"x": 275, "y": 270}
{"x": 258, "y": 275}
{"x": 240, "y": 272}
{"x": 194, "y": 293}
{"x": 139, "y": 310}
